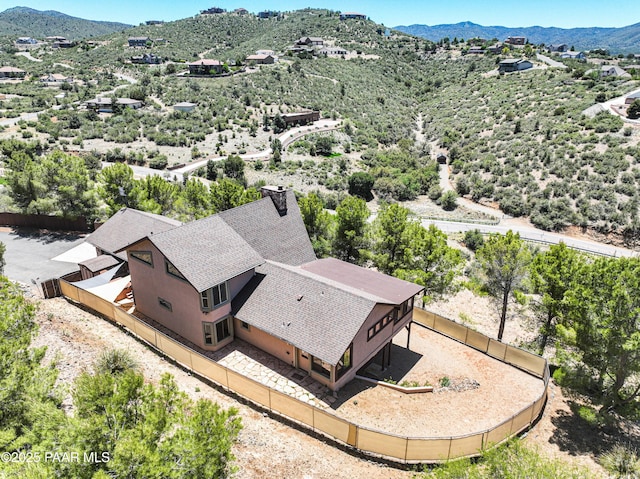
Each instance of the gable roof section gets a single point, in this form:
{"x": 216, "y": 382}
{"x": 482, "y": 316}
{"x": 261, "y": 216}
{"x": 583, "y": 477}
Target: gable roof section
{"x": 302, "y": 309}
{"x": 381, "y": 287}
{"x": 207, "y": 252}
{"x": 126, "y": 227}
{"x": 278, "y": 238}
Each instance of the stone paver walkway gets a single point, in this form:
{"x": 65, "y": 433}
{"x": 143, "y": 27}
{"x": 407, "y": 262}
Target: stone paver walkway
{"x": 253, "y": 363}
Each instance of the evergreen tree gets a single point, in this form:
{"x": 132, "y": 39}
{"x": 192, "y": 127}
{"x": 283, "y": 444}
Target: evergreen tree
{"x": 504, "y": 261}
{"x": 350, "y": 240}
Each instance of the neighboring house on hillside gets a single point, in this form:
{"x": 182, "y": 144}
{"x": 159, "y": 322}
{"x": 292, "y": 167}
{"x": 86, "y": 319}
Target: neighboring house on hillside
{"x": 333, "y": 52}
{"x": 105, "y": 104}
{"x": 613, "y": 71}
{"x": 268, "y": 14}
{"x": 352, "y": 16}
{"x": 303, "y": 52}
{"x": 261, "y": 59}
{"x": 574, "y": 55}
{"x": 213, "y": 11}
{"x": 26, "y": 41}
{"x": 138, "y": 41}
{"x": 476, "y": 51}
{"x": 64, "y": 44}
{"x": 206, "y": 67}
{"x": 561, "y": 47}
{"x": 514, "y": 65}
{"x": 516, "y": 40}
{"x": 56, "y": 78}
{"x": 185, "y": 106}
{"x": 301, "y": 117}
{"x": 147, "y": 58}
{"x": 251, "y": 273}
{"x": 12, "y": 72}
{"x": 629, "y": 99}
{"x": 310, "y": 42}
{"x": 496, "y": 49}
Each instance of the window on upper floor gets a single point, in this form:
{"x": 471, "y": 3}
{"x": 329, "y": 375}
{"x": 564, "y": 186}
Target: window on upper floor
{"x": 144, "y": 256}
{"x": 213, "y": 297}
{"x": 172, "y": 270}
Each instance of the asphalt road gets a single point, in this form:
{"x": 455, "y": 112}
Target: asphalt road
{"x": 28, "y": 254}
{"x": 536, "y": 235}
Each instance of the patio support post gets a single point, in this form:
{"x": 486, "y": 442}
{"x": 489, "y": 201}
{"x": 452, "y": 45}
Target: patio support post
{"x": 408, "y": 326}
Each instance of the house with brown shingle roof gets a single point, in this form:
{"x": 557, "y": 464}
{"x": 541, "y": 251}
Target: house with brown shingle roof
{"x": 123, "y": 228}
{"x": 251, "y": 273}
{"x": 11, "y": 72}
{"x": 261, "y": 59}
{"x": 206, "y": 67}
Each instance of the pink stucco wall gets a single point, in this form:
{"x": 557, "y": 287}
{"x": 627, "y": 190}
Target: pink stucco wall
{"x": 364, "y": 350}
{"x": 282, "y": 350}
{"x": 185, "y": 318}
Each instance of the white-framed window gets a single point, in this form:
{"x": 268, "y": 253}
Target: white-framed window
{"x": 218, "y": 331}
{"x": 213, "y": 297}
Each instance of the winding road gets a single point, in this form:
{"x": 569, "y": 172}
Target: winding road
{"x": 286, "y": 138}
{"x": 506, "y": 223}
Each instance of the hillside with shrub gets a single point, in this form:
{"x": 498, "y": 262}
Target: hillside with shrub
{"x": 23, "y": 21}
{"x": 519, "y": 141}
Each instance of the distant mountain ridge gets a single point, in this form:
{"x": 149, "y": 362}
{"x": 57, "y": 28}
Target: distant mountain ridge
{"x": 616, "y": 40}
{"x": 24, "y": 21}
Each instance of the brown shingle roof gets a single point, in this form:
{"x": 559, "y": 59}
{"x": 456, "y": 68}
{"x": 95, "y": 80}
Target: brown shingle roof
{"x": 382, "y": 287}
{"x": 100, "y": 262}
{"x": 126, "y": 227}
{"x": 278, "y": 238}
{"x": 207, "y": 252}
{"x": 302, "y": 309}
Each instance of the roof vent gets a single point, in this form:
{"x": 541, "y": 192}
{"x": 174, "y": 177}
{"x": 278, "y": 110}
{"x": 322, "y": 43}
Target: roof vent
{"x": 300, "y": 297}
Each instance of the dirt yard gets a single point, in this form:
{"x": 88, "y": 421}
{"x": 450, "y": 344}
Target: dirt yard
{"x": 268, "y": 449}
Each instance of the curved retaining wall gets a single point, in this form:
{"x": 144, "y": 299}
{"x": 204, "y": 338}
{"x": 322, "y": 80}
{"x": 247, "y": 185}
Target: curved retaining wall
{"x": 397, "y": 448}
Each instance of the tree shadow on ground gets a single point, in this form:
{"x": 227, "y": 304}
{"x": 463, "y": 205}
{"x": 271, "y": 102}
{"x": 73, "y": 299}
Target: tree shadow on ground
{"x": 46, "y": 236}
{"x": 582, "y": 431}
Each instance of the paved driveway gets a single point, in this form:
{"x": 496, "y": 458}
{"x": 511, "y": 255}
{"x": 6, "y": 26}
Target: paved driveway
{"x": 29, "y": 252}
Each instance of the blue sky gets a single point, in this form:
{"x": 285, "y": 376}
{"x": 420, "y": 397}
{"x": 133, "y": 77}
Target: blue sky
{"x": 545, "y": 13}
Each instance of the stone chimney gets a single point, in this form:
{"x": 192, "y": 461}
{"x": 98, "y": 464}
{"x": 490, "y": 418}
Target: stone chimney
{"x": 278, "y": 195}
